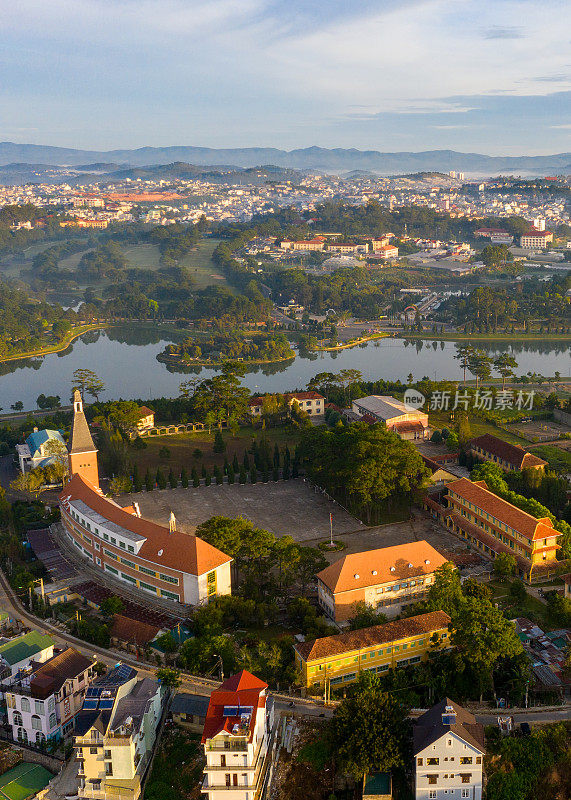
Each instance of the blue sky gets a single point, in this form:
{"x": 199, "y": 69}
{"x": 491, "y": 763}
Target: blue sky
{"x": 490, "y": 76}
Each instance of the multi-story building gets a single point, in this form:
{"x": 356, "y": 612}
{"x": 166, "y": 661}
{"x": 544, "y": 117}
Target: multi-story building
{"x": 448, "y": 752}
{"x": 17, "y": 654}
{"x": 43, "y": 704}
{"x": 159, "y": 561}
{"x": 339, "y": 660}
{"x": 310, "y": 402}
{"x": 388, "y": 251}
{"x": 309, "y": 245}
{"x": 147, "y": 418}
{"x": 389, "y": 579}
{"x": 407, "y": 422}
{"x": 236, "y": 736}
{"x": 495, "y": 526}
{"x": 507, "y": 456}
{"x": 534, "y": 238}
{"x": 115, "y": 733}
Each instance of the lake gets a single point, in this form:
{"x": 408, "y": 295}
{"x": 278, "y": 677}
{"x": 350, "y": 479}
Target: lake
{"x": 125, "y": 359}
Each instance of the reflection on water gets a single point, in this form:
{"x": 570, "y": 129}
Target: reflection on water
{"x": 125, "y": 359}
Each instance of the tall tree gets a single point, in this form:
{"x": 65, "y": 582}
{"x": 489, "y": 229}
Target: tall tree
{"x": 505, "y": 365}
{"x": 88, "y": 382}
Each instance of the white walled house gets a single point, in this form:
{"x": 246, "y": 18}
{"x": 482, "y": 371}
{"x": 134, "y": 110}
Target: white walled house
{"x": 449, "y": 754}
{"x": 44, "y": 705}
{"x": 17, "y": 654}
{"x": 236, "y": 736}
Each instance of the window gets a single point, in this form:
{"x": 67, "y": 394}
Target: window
{"x": 51, "y": 704}
{"x": 107, "y": 754}
{"x": 110, "y": 554}
{"x": 38, "y": 707}
{"x": 53, "y": 721}
{"x": 432, "y": 762}
{"x": 18, "y": 718}
{"x": 466, "y": 760}
{"x": 432, "y": 779}
{"x": 109, "y": 769}
{"x": 465, "y": 793}
{"x": 36, "y": 723}
{"x": 432, "y": 794}
{"x": 130, "y": 548}
{"x": 128, "y": 563}
{"x": 147, "y": 587}
{"x": 111, "y": 569}
{"x": 25, "y": 704}
{"x": 419, "y": 762}
{"x": 40, "y": 737}
{"x": 148, "y": 571}
{"x": 168, "y": 578}
{"x": 478, "y": 759}
{"x": 97, "y": 547}
{"x": 466, "y": 778}
{"x": 93, "y": 750}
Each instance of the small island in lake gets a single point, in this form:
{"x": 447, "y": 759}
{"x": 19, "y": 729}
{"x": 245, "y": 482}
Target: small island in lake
{"x": 214, "y": 348}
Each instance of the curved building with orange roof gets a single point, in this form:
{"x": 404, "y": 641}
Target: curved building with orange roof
{"x": 168, "y": 564}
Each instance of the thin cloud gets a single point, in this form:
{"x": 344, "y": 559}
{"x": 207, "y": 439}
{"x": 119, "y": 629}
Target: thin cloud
{"x": 503, "y": 32}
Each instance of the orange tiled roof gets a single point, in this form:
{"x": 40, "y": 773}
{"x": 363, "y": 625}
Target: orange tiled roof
{"x": 478, "y": 493}
{"x": 356, "y": 570}
{"x": 512, "y": 453}
{"x": 176, "y": 550}
{"x": 370, "y": 637}
{"x": 240, "y": 690}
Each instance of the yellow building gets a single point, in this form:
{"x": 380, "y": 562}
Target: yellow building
{"x": 338, "y": 660}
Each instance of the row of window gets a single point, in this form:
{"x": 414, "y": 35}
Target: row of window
{"x": 36, "y": 721}
{"x": 433, "y": 794}
{"x": 387, "y": 651}
{"x": 103, "y": 535}
{"x": 434, "y": 761}
{"x": 491, "y": 518}
{"x": 26, "y": 707}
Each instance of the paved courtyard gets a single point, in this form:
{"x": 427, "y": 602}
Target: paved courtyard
{"x": 284, "y": 507}
{"x": 287, "y": 508}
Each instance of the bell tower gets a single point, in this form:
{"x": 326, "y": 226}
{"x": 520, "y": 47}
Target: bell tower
{"x": 82, "y": 451}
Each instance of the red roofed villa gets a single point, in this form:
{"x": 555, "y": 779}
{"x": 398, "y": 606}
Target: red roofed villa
{"x": 310, "y": 402}
{"x": 236, "y": 735}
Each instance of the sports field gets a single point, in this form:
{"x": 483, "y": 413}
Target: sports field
{"x": 23, "y": 781}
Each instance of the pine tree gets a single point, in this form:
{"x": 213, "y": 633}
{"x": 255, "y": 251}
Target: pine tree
{"x": 235, "y": 465}
{"x": 276, "y": 455}
{"x": 195, "y": 478}
{"x": 226, "y": 466}
{"x": 137, "y": 483}
{"x": 173, "y": 481}
{"x": 149, "y": 482}
{"x": 285, "y": 472}
{"x": 231, "y": 476}
{"x": 276, "y": 474}
{"x": 161, "y": 480}
{"x": 253, "y": 475}
{"x": 246, "y": 461}
{"x": 243, "y": 475}
{"x": 203, "y": 471}
{"x": 208, "y": 479}
{"x": 184, "y": 478}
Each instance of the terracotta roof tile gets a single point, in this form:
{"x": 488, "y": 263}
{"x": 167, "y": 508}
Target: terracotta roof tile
{"x": 512, "y": 453}
{"x": 477, "y": 492}
{"x": 341, "y": 575}
{"x": 370, "y": 637}
{"x": 177, "y": 550}
{"x": 240, "y": 690}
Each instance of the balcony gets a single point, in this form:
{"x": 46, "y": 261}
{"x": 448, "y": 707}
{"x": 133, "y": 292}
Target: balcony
{"x": 234, "y": 747}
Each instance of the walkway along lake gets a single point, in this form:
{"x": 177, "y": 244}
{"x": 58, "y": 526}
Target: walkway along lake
{"x": 125, "y": 359}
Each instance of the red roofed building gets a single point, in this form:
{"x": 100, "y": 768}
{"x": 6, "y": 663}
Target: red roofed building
{"x": 535, "y": 238}
{"x": 507, "y": 456}
{"x": 236, "y": 735}
{"x": 159, "y": 561}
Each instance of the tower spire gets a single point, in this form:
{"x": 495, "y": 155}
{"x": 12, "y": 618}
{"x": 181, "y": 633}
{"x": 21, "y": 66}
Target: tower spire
{"x": 82, "y": 450}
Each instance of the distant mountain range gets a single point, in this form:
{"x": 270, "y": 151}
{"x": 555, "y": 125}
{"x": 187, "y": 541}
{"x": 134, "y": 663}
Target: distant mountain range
{"x": 336, "y": 160}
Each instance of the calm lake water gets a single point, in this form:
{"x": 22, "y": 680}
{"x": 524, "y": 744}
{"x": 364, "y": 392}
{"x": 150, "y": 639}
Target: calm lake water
{"x": 125, "y": 358}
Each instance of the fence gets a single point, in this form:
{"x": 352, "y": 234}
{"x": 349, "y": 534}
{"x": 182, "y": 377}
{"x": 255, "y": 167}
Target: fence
{"x": 34, "y": 754}
{"x": 172, "y": 430}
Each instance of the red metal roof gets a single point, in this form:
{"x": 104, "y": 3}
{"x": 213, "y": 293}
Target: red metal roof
{"x": 240, "y": 690}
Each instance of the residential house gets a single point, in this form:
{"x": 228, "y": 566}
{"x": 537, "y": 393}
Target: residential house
{"x": 448, "y": 748}
{"x": 17, "y": 654}
{"x": 389, "y": 578}
{"x": 36, "y": 451}
{"x": 189, "y": 711}
{"x": 507, "y": 456}
{"x": 409, "y": 423}
{"x": 43, "y": 705}
{"x": 310, "y": 245}
{"x": 146, "y": 420}
{"x": 339, "y": 660}
{"x": 310, "y": 402}
{"x": 236, "y": 738}
{"x": 115, "y": 733}
{"x": 493, "y": 526}
{"x": 388, "y": 251}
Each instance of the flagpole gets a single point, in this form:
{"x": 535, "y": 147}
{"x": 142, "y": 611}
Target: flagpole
{"x": 331, "y": 529}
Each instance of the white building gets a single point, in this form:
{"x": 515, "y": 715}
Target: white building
{"x": 448, "y": 752}
{"x": 43, "y": 705}
{"x": 236, "y": 735}
{"x": 17, "y": 654}
{"x": 40, "y": 449}
{"x": 115, "y": 733}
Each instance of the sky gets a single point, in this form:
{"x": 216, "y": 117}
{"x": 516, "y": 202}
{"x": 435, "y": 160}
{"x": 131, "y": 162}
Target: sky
{"x": 487, "y": 76}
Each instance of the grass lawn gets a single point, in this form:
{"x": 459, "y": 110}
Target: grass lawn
{"x": 532, "y": 608}
{"x": 182, "y": 447}
{"x": 441, "y": 419}
{"x": 177, "y": 768}
{"x": 143, "y": 256}
{"x": 204, "y": 272}
{"x": 557, "y": 458}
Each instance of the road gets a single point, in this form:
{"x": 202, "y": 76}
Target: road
{"x": 203, "y": 686}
